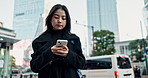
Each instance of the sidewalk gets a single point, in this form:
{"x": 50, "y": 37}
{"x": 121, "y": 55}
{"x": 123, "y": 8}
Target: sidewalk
{"x": 144, "y": 76}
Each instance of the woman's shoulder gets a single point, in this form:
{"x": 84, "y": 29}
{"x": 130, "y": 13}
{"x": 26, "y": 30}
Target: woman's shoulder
{"x": 42, "y": 38}
{"x": 74, "y": 36}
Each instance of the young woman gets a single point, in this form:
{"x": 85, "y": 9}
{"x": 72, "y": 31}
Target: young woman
{"x": 50, "y": 60}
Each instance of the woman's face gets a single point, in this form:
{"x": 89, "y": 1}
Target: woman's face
{"x": 58, "y": 20}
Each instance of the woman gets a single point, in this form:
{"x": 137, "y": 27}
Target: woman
{"x": 50, "y": 60}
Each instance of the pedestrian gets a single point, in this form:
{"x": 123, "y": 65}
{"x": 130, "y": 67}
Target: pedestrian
{"x": 50, "y": 60}
{"x": 138, "y": 72}
{"x": 135, "y": 70}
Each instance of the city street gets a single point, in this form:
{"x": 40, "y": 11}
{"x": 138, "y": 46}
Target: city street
{"x": 145, "y": 76}
{"x": 25, "y": 75}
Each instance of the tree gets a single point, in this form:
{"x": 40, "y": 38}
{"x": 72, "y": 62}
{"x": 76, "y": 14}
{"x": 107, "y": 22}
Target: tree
{"x": 137, "y": 48}
{"x": 104, "y": 43}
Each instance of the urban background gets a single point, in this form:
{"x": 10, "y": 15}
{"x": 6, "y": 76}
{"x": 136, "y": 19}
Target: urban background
{"x": 23, "y": 20}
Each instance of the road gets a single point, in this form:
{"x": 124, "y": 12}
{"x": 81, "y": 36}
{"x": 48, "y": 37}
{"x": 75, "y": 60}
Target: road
{"x": 145, "y": 76}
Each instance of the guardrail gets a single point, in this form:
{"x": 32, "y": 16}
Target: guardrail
{"x": 34, "y": 75}
{"x": 25, "y": 75}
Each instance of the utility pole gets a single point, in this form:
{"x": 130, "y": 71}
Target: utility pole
{"x": 93, "y": 36}
{"x": 143, "y": 46}
{"x": 92, "y": 29}
{"x": 6, "y": 73}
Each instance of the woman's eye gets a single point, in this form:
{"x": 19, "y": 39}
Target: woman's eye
{"x": 64, "y": 18}
{"x": 56, "y": 17}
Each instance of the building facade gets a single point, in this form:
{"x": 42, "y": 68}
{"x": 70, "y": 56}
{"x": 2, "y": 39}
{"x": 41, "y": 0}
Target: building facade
{"x": 145, "y": 15}
{"x": 122, "y": 47}
{"x": 102, "y": 15}
{"x": 27, "y": 23}
{"x": 26, "y": 17}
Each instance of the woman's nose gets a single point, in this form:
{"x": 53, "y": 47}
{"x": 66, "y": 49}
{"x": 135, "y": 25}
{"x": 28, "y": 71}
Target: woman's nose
{"x": 60, "y": 20}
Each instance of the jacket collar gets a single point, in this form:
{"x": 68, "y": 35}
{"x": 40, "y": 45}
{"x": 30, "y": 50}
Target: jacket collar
{"x": 47, "y": 37}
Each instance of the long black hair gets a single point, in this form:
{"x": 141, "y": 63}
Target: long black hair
{"x": 49, "y": 17}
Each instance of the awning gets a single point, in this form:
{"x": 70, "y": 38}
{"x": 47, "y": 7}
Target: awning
{"x": 8, "y": 39}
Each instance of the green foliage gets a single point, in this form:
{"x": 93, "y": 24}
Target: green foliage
{"x": 104, "y": 41}
{"x": 137, "y": 48}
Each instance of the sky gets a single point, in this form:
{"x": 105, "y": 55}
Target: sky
{"x": 129, "y": 16}
{"x": 6, "y": 12}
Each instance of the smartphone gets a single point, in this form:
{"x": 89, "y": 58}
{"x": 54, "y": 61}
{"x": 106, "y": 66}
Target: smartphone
{"x": 61, "y": 42}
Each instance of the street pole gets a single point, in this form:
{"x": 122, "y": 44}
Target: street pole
{"x": 92, "y": 27}
{"x": 144, "y": 50}
{"x": 93, "y": 36}
{"x": 143, "y": 44}
{"x": 6, "y": 63}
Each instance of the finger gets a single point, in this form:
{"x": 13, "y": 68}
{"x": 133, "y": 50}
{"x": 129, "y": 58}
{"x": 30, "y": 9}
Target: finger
{"x": 65, "y": 48}
{"x": 53, "y": 48}
{"x": 56, "y": 53}
{"x": 60, "y": 54}
{"x": 62, "y": 51}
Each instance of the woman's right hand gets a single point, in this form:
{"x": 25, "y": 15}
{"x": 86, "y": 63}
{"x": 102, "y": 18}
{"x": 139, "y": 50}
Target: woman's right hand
{"x": 61, "y": 51}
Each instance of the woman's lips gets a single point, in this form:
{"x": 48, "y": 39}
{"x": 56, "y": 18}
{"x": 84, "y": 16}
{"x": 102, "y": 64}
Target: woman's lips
{"x": 58, "y": 25}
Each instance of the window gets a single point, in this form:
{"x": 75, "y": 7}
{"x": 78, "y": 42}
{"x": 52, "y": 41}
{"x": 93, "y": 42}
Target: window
{"x": 15, "y": 71}
{"x": 123, "y": 63}
{"x": 103, "y": 63}
{"x": 19, "y": 14}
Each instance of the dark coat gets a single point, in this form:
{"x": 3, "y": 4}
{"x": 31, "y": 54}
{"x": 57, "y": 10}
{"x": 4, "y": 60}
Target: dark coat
{"x": 48, "y": 65}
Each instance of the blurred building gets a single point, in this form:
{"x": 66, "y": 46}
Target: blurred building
{"x": 28, "y": 23}
{"x": 29, "y": 16}
{"x": 102, "y": 15}
{"x": 26, "y": 17}
{"x": 145, "y": 15}
{"x": 122, "y": 47}
{"x": 7, "y": 38}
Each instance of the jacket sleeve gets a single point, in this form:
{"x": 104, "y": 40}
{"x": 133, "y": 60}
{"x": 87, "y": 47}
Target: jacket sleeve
{"x": 76, "y": 58}
{"x": 40, "y": 57}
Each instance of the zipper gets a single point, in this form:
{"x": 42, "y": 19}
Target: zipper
{"x": 47, "y": 63}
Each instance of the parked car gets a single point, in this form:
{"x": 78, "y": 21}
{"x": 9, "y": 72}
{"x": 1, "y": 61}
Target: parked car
{"x": 108, "y": 66}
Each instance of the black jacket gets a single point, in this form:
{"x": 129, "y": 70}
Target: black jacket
{"x": 48, "y": 65}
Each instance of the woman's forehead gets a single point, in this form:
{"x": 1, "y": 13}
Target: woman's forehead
{"x": 60, "y": 12}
